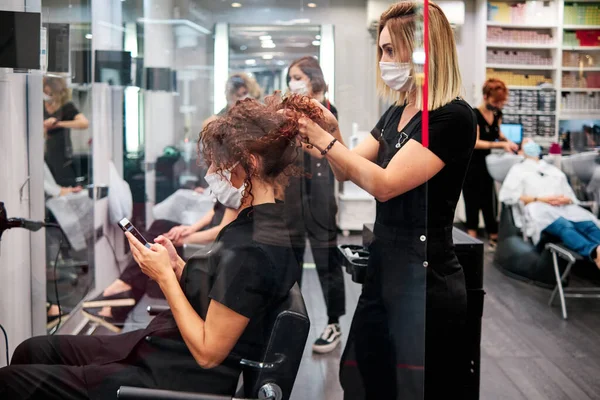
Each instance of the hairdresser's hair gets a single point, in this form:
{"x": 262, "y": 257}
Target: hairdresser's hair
{"x": 58, "y": 88}
{"x": 311, "y": 68}
{"x": 445, "y": 83}
{"x": 251, "y": 130}
{"x": 495, "y": 89}
{"x": 237, "y": 81}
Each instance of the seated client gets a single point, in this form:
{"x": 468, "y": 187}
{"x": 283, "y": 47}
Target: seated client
{"x": 550, "y": 204}
{"x": 248, "y": 149}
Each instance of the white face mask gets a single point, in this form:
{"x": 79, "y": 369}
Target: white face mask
{"x": 396, "y": 75}
{"x": 299, "y": 87}
{"x": 220, "y": 185}
{"x": 47, "y": 98}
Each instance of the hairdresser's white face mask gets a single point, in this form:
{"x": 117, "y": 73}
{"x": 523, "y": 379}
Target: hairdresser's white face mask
{"x": 396, "y": 75}
{"x": 299, "y": 87}
{"x": 221, "y": 186}
{"x": 47, "y": 98}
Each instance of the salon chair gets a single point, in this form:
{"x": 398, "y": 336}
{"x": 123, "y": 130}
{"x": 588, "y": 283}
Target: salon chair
{"x": 272, "y": 376}
{"x": 547, "y": 264}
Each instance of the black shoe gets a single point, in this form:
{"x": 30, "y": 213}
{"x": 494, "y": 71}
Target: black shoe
{"x": 53, "y": 320}
{"x": 112, "y": 324}
{"x": 492, "y": 244}
{"x": 123, "y": 299}
{"x": 329, "y": 339}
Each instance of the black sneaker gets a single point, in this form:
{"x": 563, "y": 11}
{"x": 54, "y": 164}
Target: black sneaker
{"x": 330, "y": 338}
{"x": 492, "y": 244}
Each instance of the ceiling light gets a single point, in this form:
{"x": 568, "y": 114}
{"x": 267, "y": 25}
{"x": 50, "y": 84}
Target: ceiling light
{"x": 311, "y": 5}
{"x": 267, "y": 56}
{"x": 236, "y": 5}
{"x": 280, "y": 62}
{"x": 318, "y": 37}
{"x": 251, "y": 62}
{"x": 243, "y": 47}
{"x": 316, "y": 43}
{"x": 265, "y": 37}
{"x": 267, "y": 45}
{"x": 88, "y": 36}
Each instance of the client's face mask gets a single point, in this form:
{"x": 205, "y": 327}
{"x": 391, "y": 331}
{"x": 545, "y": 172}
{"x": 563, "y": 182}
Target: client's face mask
{"x": 299, "y": 87}
{"x": 396, "y": 75}
{"x": 221, "y": 186}
{"x": 532, "y": 149}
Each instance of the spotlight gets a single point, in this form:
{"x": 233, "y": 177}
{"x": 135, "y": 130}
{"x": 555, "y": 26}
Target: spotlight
{"x": 311, "y": 5}
{"x": 236, "y": 5}
{"x": 316, "y": 43}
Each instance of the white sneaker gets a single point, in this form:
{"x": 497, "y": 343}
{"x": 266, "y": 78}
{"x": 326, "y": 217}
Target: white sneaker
{"x": 329, "y": 339}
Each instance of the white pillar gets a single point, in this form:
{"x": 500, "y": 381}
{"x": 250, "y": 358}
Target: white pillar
{"x": 159, "y": 116}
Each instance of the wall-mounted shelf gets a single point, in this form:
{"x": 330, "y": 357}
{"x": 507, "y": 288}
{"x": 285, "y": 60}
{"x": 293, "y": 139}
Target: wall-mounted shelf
{"x": 506, "y": 112}
{"x": 532, "y": 46}
{"x": 516, "y": 87}
{"x": 576, "y": 48}
{"x": 522, "y": 26}
{"x": 577, "y": 69}
{"x": 580, "y": 90}
{"x": 579, "y": 27}
{"x": 521, "y": 67}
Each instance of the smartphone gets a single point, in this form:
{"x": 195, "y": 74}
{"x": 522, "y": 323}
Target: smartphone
{"x": 127, "y": 226}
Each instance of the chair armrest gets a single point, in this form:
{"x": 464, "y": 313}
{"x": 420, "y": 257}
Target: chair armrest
{"x": 135, "y": 393}
{"x": 563, "y": 252}
{"x": 155, "y": 310}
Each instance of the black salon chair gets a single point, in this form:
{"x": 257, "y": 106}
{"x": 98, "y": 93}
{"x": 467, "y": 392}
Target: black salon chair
{"x": 272, "y": 377}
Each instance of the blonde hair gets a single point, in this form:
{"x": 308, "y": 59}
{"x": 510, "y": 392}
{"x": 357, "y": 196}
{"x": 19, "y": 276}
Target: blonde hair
{"x": 59, "y": 89}
{"x": 241, "y": 79}
{"x": 445, "y": 83}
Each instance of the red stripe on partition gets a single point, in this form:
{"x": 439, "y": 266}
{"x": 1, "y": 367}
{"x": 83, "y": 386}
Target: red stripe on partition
{"x": 425, "y": 114}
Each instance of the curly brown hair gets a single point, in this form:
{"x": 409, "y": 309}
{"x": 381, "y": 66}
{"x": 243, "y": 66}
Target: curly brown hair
{"x": 268, "y": 133}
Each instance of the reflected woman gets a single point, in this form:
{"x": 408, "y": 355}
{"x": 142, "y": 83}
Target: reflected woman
{"x": 60, "y": 116}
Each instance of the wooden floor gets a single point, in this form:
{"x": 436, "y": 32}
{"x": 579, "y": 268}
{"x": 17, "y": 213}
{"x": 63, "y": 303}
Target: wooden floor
{"x": 528, "y": 351}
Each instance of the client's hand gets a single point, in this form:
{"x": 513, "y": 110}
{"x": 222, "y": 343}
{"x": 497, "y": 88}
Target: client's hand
{"x": 173, "y": 256}
{"x": 176, "y": 234}
{"x": 552, "y": 200}
{"x": 154, "y": 262}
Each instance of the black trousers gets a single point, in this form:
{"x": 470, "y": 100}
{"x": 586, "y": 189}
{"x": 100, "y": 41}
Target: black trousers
{"x": 406, "y": 340}
{"x": 479, "y": 193}
{"x": 55, "y": 368}
{"x": 330, "y": 274}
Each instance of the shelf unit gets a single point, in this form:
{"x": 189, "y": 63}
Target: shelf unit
{"x": 505, "y": 36}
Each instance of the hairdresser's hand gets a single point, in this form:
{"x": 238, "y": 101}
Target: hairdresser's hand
{"x": 331, "y": 122}
{"x": 50, "y": 123}
{"x": 313, "y": 134}
{"x": 154, "y": 262}
{"x": 510, "y": 147}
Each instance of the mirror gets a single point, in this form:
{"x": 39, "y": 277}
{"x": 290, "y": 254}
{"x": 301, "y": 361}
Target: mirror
{"x": 69, "y": 203}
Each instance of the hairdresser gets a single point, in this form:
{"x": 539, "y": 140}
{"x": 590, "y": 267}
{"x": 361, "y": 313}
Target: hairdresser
{"x": 408, "y": 327}
{"x": 479, "y": 191}
{"x": 310, "y": 209}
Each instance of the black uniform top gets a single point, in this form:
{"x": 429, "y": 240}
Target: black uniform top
{"x": 487, "y": 132}
{"x": 310, "y": 206}
{"x": 59, "y": 149}
{"x": 428, "y": 209}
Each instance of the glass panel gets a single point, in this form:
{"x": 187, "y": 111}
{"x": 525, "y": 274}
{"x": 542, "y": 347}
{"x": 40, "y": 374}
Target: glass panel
{"x": 68, "y": 161}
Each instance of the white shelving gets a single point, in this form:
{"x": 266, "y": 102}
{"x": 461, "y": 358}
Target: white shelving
{"x": 525, "y": 46}
{"x": 553, "y": 25}
{"x": 521, "y": 67}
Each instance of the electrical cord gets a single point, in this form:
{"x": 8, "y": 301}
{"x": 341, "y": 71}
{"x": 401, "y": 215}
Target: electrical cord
{"x": 56, "y": 287}
{"x": 6, "y": 341}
